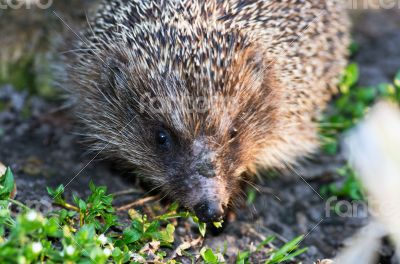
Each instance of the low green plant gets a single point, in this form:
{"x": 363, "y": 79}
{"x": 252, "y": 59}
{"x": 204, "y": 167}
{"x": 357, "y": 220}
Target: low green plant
{"x": 81, "y": 232}
{"x": 287, "y": 252}
{"x": 31, "y": 73}
{"x": 90, "y": 231}
{"x": 96, "y": 209}
{"x": 209, "y": 256}
{"x": 349, "y": 108}
{"x": 350, "y": 188}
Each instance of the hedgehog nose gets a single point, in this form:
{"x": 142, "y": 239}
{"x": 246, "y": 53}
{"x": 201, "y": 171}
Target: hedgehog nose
{"x": 209, "y": 211}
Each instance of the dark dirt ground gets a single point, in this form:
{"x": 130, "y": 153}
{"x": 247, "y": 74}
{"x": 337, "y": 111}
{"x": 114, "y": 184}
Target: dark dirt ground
{"x": 43, "y": 151}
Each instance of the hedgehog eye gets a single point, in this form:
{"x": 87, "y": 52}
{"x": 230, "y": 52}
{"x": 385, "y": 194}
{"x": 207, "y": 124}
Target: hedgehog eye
{"x": 163, "y": 139}
{"x": 233, "y": 132}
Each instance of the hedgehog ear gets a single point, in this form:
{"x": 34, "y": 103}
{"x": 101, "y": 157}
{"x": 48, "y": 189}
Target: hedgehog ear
{"x": 113, "y": 75}
{"x": 256, "y": 59}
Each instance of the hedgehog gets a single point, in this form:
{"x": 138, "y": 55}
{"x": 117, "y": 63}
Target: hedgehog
{"x": 196, "y": 96}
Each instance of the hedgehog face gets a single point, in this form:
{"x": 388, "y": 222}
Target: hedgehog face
{"x": 196, "y": 171}
{"x": 192, "y": 156}
{"x": 199, "y": 158}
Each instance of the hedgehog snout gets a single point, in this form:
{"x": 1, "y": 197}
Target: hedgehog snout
{"x": 209, "y": 211}
{"x": 209, "y": 197}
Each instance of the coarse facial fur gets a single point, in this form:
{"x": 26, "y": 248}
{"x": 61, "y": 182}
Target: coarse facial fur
{"x": 197, "y": 94}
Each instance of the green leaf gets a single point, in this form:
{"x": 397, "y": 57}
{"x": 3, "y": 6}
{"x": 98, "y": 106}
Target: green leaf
{"x": 136, "y": 224}
{"x": 173, "y": 207}
{"x": 52, "y": 227}
{"x": 92, "y": 187}
{"x": 202, "y": 229}
{"x": 387, "y": 90}
{"x": 285, "y": 251}
{"x": 6, "y": 184}
{"x": 54, "y": 192}
{"x": 242, "y": 257}
{"x": 330, "y": 147}
{"x": 153, "y": 227}
{"x": 82, "y": 205}
{"x": 265, "y": 242}
{"x": 208, "y": 256}
{"x": 251, "y": 196}
{"x": 117, "y": 255}
{"x": 353, "y": 48}
{"x": 293, "y": 255}
{"x": 167, "y": 235}
{"x": 397, "y": 80}
{"x": 350, "y": 188}
{"x": 350, "y": 78}
{"x": 218, "y": 224}
{"x": 57, "y": 194}
{"x": 366, "y": 94}
{"x": 86, "y": 233}
{"x": 131, "y": 235}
